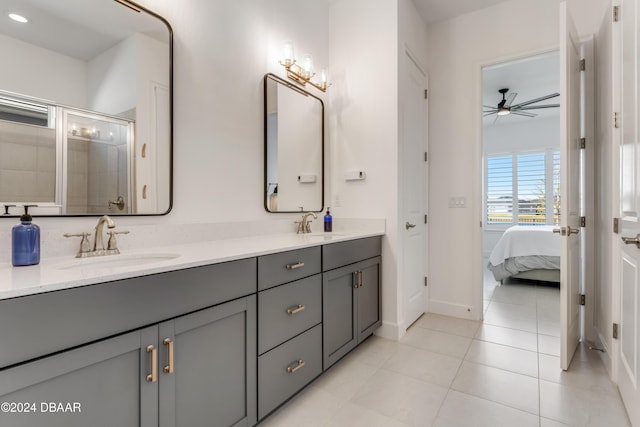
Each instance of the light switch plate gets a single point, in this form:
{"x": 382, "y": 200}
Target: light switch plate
{"x": 458, "y": 202}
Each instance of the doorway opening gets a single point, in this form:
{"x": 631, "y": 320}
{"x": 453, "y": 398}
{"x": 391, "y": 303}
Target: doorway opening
{"x": 521, "y": 199}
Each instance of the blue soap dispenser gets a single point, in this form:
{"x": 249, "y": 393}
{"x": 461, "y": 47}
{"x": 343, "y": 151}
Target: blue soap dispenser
{"x": 328, "y": 222}
{"x": 25, "y": 241}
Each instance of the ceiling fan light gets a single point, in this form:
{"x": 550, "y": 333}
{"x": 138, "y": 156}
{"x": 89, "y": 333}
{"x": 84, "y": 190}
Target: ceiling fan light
{"x": 504, "y": 111}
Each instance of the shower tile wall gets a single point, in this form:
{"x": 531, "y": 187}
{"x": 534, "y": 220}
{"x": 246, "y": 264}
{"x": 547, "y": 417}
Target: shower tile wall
{"x": 27, "y": 163}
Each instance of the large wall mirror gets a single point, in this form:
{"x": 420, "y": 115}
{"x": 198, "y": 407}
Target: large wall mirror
{"x": 85, "y": 108}
{"x": 294, "y": 148}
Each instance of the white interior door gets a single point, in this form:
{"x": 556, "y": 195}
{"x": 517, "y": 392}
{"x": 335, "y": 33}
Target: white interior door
{"x": 414, "y": 191}
{"x": 628, "y": 333}
{"x": 570, "y": 279}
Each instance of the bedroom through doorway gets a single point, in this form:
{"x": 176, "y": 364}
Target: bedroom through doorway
{"x": 521, "y": 204}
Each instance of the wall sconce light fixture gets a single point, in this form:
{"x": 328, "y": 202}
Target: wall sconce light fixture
{"x": 302, "y": 73}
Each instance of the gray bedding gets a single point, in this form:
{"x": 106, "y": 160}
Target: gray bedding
{"x": 515, "y": 265}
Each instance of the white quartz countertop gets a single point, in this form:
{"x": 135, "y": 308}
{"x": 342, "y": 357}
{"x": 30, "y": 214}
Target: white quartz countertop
{"x": 58, "y": 273}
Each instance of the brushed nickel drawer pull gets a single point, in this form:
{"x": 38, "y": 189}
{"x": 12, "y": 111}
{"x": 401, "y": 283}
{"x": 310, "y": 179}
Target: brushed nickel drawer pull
{"x": 153, "y": 376}
{"x": 299, "y": 364}
{"x": 168, "y": 369}
{"x": 296, "y": 265}
{"x": 297, "y": 309}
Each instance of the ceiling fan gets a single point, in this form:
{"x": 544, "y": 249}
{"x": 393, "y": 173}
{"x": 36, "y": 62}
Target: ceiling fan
{"x": 506, "y": 107}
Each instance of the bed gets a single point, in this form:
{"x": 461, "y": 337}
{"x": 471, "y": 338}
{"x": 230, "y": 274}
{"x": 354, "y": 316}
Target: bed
{"x": 527, "y": 252}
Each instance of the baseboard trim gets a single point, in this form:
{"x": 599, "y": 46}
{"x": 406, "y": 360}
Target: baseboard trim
{"x": 453, "y": 310}
{"x": 390, "y": 331}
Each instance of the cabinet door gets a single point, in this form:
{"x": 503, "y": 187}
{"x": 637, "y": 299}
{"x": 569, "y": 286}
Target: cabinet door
{"x": 101, "y": 384}
{"x": 339, "y": 334}
{"x": 213, "y": 382}
{"x": 368, "y": 298}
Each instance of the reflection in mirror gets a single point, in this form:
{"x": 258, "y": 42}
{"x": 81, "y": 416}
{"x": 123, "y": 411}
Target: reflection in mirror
{"x": 85, "y": 108}
{"x": 294, "y": 148}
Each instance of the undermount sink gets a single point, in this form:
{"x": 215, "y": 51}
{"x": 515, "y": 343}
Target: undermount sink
{"x": 116, "y": 261}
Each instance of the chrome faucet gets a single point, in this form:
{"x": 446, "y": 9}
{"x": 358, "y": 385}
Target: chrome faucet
{"x": 98, "y": 240}
{"x": 304, "y": 226}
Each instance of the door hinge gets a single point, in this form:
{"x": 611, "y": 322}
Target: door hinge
{"x": 615, "y": 331}
{"x": 616, "y": 225}
{"x": 583, "y": 299}
{"x": 426, "y": 219}
{"x": 426, "y": 94}
{"x": 426, "y": 281}
{"x": 426, "y": 157}
{"x": 583, "y": 64}
{"x": 583, "y": 143}
{"x": 615, "y": 121}
{"x": 583, "y": 221}
{"x": 616, "y": 13}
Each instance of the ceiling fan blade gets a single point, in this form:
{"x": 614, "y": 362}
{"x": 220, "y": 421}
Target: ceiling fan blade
{"x": 533, "y": 107}
{"x": 522, "y": 113}
{"x": 510, "y": 99}
{"x": 491, "y": 107}
{"x": 489, "y": 113}
{"x": 533, "y": 101}
{"x": 496, "y": 119}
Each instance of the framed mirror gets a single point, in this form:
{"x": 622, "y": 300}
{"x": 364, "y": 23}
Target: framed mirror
{"x": 85, "y": 108}
{"x": 294, "y": 148}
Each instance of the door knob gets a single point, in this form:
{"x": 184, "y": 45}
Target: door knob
{"x": 557, "y": 230}
{"x": 571, "y": 231}
{"x": 408, "y": 225}
{"x": 632, "y": 240}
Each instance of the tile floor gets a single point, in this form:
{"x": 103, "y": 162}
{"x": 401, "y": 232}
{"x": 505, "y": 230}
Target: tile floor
{"x": 444, "y": 372}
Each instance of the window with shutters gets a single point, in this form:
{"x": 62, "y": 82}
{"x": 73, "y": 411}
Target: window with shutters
{"x": 522, "y": 189}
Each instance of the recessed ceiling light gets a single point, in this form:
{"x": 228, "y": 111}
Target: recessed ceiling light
{"x": 18, "y": 18}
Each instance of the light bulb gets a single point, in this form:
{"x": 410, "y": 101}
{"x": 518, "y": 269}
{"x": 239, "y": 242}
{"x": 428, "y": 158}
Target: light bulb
{"x": 287, "y": 53}
{"x": 307, "y": 65}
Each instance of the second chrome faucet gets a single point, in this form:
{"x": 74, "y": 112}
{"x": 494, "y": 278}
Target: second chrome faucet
{"x": 304, "y": 226}
{"x": 98, "y": 240}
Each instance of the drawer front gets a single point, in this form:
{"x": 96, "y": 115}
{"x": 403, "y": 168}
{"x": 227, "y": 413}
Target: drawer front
{"x": 283, "y": 267}
{"x": 280, "y": 374}
{"x": 336, "y": 255}
{"x": 287, "y": 310}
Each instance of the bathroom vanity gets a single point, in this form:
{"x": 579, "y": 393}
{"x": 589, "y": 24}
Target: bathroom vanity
{"x": 197, "y": 340}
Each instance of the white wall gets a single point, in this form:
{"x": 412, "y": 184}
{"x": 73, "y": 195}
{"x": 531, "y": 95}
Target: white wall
{"x": 45, "y": 74}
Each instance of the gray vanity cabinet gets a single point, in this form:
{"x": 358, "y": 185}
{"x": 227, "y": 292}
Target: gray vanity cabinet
{"x": 102, "y": 384}
{"x": 205, "y": 372}
{"x": 350, "y": 296}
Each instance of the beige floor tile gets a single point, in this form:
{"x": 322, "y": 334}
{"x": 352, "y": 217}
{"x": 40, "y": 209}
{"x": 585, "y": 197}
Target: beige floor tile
{"x": 515, "y": 294}
{"x": 438, "y": 342}
{"x": 546, "y": 422}
{"x": 586, "y": 375}
{"x": 507, "y": 388}
{"x": 424, "y": 365}
{"x": 351, "y": 415}
{"x": 512, "y": 310}
{"x": 404, "y": 399}
{"x": 579, "y": 407}
{"x": 374, "y": 351}
{"x": 504, "y": 357}
{"x": 513, "y": 321}
{"x": 312, "y": 407}
{"x": 548, "y": 327}
{"x": 345, "y": 378}
{"x": 449, "y": 325}
{"x": 549, "y": 345}
{"x": 463, "y": 410}
{"x": 510, "y": 337}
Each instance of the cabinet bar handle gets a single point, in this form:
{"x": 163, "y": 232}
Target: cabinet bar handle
{"x": 153, "y": 376}
{"x": 294, "y": 310}
{"x": 299, "y": 364}
{"x": 355, "y": 280}
{"x": 361, "y": 279}
{"x": 168, "y": 369}
{"x": 296, "y": 265}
